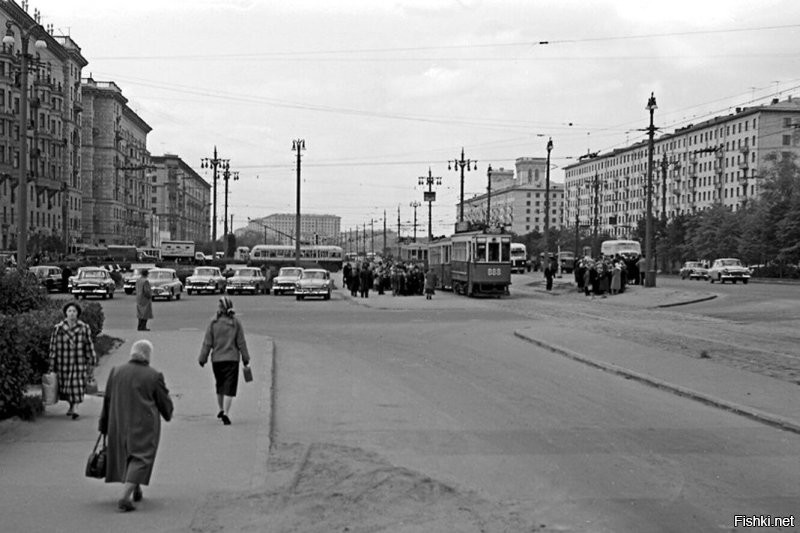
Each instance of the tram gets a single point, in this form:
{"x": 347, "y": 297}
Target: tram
{"x": 279, "y": 255}
{"x": 473, "y": 262}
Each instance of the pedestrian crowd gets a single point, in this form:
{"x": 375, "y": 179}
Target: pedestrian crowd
{"x": 607, "y": 275}
{"x": 401, "y": 278}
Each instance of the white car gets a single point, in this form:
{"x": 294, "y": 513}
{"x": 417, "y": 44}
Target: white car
{"x": 247, "y": 279}
{"x": 313, "y": 282}
{"x": 284, "y": 282}
{"x": 728, "y": 269}
{"x": 206, "y": 279}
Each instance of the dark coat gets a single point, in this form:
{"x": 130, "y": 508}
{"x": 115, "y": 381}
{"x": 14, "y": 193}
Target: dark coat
{"x": 144, "y": 299}
{"x": 134, "y": 398}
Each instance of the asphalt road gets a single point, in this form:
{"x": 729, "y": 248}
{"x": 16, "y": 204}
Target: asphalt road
{"x": 449, "y": 392}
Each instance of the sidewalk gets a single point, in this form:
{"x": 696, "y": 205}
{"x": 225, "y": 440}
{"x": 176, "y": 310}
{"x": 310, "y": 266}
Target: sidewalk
{"x": 43, "y": 485}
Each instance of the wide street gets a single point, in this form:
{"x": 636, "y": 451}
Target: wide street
{"x": 382, "y": 405}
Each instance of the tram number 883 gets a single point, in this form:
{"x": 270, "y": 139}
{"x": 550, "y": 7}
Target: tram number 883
{"x": 493, "y": 272}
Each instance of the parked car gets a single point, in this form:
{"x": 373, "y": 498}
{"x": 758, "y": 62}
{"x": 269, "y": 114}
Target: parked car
{"x": 206, "y": 279}
{"x": 285, "y": 281}
{"x": 247, "y": 279}
{"x": 694, "y": 270}
{"x": 93, "y": 281}
{"x": 728, "y": 269}
{"x": 313, "y": 282}
{"x": 164, "y": 283}
{"x": 129, "y": 281}
{"x": 49, "y": 276}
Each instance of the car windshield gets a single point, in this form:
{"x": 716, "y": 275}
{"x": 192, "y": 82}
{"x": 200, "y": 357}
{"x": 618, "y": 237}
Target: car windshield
{"x": 161, "y": 275}
{"x": 314, "y": 275}
{"x": 290, "y": 272}
{"x": 730, "y": 262}
{"x": 94, "y": 274}
{"x": 692, "y": 264}
{"x": 247, "y": 273}
{"x": 205, "y": 271}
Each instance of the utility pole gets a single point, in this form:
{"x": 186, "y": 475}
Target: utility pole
{"x": 596, "y": 186}
{"x": 214, "y": 163}
{"x": 398, "y": 232}
{"x": 364, "y": 238}
{"x": 489, "y": 196}
{"x": 227, "y": 175}
{"x": 372, "y": 235}
{"x": 415, "y": 205}
{"x": 384, "y": 231}
{"x": 457, "y": 164}
{"x": 298, "y": 145}
{"x": 356, "y": 240}
{"x": 650, "y": 273}
{"x": 430, "y": 197}
{"x": 547, "y": 203}
{"x": 577, "y": 233}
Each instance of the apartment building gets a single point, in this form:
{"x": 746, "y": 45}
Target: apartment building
{"x": 517, "y": 198}
{"x": 718, "y": 161}
{"x": 116, "y": 166}
{"x": 181, "y": 200}
{"x": 53, "y": 132}
{"x": 280, "y": 228}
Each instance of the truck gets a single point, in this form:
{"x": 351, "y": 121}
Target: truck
{"x": 177, "y": 250}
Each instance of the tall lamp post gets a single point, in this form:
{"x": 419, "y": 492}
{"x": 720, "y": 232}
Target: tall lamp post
{"x": 415, "y": 204}
{"x": 547, "y": 202}
{"x": 488, "y": 196}
{"x": 298, "y": 145}
{"x": 227, "y": 176}
{"x": 430, "y": 197}
{"x": 650, "y": 274}
{"x": 457, "y": 164}
{"x": 22, "y": 201}
{"x": 214, "y": 163}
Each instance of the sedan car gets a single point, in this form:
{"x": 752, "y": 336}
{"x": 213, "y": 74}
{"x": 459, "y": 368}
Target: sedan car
{"x": 313, "y": 282}
{"x": 694, "y": 270}
{"x": 93, "y": 281}
{"x": 247, "y": 279}
{"x": 285, "y": 281}
{"x": 48, "y": 276}
{"x": 164, "y": 283}
{"x": 728, "y": 269}
{"x": 129, "y": 282}
{"x": 206, "y": 279}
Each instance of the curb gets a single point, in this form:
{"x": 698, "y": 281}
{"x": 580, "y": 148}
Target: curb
{"x": 747, "y": 412}
{"x": 265, "y": 435}
{"x": 687, "y": 302}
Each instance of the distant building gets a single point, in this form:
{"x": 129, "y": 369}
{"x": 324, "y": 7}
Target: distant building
{"x": 116, "y": 191}
{"x": 280, "y": 228}
{"x": 517, "y": 199}
{"x": 719, "y": 161}
{"x": 180, "y": 199}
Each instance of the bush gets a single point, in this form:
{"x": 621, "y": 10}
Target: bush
{"x": 15, "y": 370}
{"x": 33, "y": 338}
{"x": 20, "y": 291}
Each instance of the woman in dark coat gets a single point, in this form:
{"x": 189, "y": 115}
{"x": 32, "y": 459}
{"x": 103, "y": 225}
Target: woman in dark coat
{"x": 136, "y": 397}
{"x": 72, "y": 356}
{"x": 144, "y": 300}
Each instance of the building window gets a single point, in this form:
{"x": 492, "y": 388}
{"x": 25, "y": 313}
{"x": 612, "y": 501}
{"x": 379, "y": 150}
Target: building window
{"x": 787, "y": 140}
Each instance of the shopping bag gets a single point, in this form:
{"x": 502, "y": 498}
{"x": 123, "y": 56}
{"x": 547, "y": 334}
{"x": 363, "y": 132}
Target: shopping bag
{"x": 91, "y": 385}
{"x": 49, "y": 388}
{"x": 96, "y": 465}
{"x": 248, "y": 374}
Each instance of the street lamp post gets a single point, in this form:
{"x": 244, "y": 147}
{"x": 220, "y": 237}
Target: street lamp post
{"x": 430, "y": 197}
{"x": 298, "y": 145}
{"x": 488, "y": 196}
{"x": 22, "y": 200}
{"x": 214, "y": 163}
{"x": 547, "y": 202}
{"x": 650, "y": 273}
{"x": 227, "y": 176}
{"x": 457, "y": 164}
{"x": 415, "y": 204}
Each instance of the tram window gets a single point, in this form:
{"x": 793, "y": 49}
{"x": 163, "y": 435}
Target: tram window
{"x": 505, "y": 251}
{"x": 494, "y": 252}
{"x": 480, "y": 251}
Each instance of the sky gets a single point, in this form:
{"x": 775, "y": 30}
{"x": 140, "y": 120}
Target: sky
{"x": 383, "y": 91}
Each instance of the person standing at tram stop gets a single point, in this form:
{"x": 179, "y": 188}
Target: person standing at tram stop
{"x": 430, "y": 284}
{"x": 71, "y": 357}
{"x": 144, "y": 300}
{"x": 549, "y": 274}
{"x": 225, "y": 342}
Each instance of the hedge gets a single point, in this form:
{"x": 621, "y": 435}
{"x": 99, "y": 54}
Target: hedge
{"x": 20, "y": 291}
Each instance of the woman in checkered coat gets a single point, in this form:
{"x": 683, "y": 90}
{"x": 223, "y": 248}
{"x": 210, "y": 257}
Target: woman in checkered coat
{"x": 72, "y": 356}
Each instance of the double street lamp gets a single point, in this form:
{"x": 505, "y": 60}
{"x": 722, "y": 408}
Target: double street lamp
{"x": 650, "y": 273}
{"x": 26, "y": 61}
{"x": 547, "y": 202}
{"x": 214, "y": 163}
{"x": 298, "y": 145}
{"x": 430, "y": 197}
{"x": 457, "y": 164}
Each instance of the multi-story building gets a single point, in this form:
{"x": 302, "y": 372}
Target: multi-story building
{"x": 54, "y": 107}
{"x": 517, "y": 200}
{"x": 719, "y": 161}
{"x": 280, "y": 228}
{"x": 181, "y": 199}
{"x": 116, "y": 164}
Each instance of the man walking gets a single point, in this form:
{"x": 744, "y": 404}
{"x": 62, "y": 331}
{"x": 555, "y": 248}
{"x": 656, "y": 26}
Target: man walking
{"x": 144, "y": 299}
{"x": 549, "y": 273}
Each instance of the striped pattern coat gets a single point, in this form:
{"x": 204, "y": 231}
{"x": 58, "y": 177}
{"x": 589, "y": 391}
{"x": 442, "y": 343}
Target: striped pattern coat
{"x": 72, "y": 358}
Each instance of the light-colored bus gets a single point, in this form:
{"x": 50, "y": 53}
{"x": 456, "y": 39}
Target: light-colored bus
{"x": 519, "y": 258}
{"x": 624, "y": 248}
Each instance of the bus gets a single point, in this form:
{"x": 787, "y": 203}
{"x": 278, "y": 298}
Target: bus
{"x": 630, "y": 250}
{"x": 311, "y": 256}
{"x": 519, "y": 258}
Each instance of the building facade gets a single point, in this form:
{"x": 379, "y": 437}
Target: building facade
{"x": 116, "y": 191}
{"x": 181, "y": 200}
{"x": 54, "y": 137}
{"x": 280, "y": 228}
{"x": 719, "y": 161}
{"x": 517, "y": 199}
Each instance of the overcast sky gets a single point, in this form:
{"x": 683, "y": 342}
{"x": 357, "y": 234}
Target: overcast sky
{"x": 382, "y": 90}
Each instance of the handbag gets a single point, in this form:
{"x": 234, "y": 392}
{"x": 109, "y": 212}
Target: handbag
{"x": 49, "y": 388}
{"x": 91, "y": 385}
{"x": 96, "y": 465}
{"x": 248, "y": 374}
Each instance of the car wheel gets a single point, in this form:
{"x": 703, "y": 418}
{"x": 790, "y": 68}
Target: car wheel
{"x": 169, "y": 296}
{"x": 734, "y": 281}
{"x": 327, "y": 296}
{"x": 189, "y": 292}
{"x": 111, "y": 295}
{"x": 128, "y": 292}
{"x": 299, "y": 297}
{"x": 105, "y": 296}
{"x": 745, "y": 281}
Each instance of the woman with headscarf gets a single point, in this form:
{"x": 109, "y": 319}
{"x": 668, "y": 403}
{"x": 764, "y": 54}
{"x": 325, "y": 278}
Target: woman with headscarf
{"x": 225, "y": 342}
{"x": 72, "y": 356}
